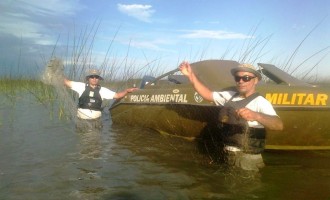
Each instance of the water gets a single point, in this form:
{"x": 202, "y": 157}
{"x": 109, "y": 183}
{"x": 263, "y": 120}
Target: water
{"x": 43, "y": 157}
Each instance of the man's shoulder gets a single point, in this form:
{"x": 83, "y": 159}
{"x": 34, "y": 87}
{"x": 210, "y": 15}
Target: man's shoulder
{"x": 261, "y": 100}
{"x": 228, "y": 93}
{"x": 77, "y": 85}
{"x": 106, "y": 90}
{"x": 107, "y": 93}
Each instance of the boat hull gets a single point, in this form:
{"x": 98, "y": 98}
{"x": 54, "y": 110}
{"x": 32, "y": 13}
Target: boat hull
{"x": 179, "y": 120}
{"x": 303, "y": 130}
{"x": 169, "y": 104}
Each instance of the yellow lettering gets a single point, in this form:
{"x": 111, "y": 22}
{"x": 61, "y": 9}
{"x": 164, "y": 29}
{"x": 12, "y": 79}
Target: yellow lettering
{"x": 300, "y": 98}
{"x": 309, "y": 100}
{"x": 293, "y": 99}
{"x": 279, "y": 100}
{"x": 272, "y": 97}
{"x": 285, "y": 99}
{"x": 297, "y": 99}
{"x": 321, "y": 99}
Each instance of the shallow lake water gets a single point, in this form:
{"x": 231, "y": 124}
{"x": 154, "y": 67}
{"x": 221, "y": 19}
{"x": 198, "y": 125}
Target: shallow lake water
{"x": 43, "y": 157}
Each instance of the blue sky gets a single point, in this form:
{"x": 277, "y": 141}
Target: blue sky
{"x": 162, "y": 33}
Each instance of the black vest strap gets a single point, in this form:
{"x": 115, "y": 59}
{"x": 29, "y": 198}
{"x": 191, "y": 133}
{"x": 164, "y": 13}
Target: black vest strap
{"x": 235, "y": 130}
{"x": 228, "y": 113}
{"x": 242, "y": 103}
{"x": 91, "y": 98}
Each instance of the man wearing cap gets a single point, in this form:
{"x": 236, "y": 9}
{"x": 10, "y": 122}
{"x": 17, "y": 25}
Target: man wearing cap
{"x": 249, "y": 107}
{"x": 91, "y": 95}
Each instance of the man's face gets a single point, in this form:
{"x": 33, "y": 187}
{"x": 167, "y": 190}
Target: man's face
{"x": 245, "y": 82}
{"x": 93, "y": 80}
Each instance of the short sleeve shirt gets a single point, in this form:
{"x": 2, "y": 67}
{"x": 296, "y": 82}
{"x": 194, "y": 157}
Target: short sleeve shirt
{"x": 258, "y": 104}
{"x": 105, "y": 93}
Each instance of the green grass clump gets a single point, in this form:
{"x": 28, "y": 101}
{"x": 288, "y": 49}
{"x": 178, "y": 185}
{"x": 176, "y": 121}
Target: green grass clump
{"x": 14, "y": 88}
{"x": 17, "y": 90}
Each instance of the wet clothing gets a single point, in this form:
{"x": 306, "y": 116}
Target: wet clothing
{"x": 235, "y": 130}
{"x": 242, "y": 139}
{"x": 245, "y": 161}
{"x": 246, "y": 139}
{"x": 86, "y": 125}
{"x": 228, "y": 112}
{"x": 258, "y": 104}
{"x": 90, "y": 100}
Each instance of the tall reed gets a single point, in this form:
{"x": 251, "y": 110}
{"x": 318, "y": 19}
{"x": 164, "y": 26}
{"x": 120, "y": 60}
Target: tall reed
{"x": 122, "y": 72}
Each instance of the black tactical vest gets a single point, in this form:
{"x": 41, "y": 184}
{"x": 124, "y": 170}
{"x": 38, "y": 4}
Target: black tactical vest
{"x": 91, "y": 98}
{"x": 235, "y": 130}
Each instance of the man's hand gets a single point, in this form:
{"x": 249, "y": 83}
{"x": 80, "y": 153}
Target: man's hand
{"x": 129, "y": 90}
{"x": 268, "y": 121}
{"x": 185, "y": 68}
{"x": 247, "y": 114}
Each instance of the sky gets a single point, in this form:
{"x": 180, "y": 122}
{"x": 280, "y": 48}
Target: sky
{"x": 158, "y": 34}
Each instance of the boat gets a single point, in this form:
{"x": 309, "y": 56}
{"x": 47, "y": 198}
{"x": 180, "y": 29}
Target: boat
{"x": 170, "y": 105}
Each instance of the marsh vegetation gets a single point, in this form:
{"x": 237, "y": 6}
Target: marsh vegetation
{"x": 121, "y": 72}
{"x": 43, "y": 159}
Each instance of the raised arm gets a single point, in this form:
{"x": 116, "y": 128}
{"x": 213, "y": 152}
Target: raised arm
{"x": 67, "y": 82}
{"x": 205, "y": 92}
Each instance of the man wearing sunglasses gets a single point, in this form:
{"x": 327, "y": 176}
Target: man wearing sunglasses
{"x": 244, "y": 138}
{"x": 91, "y": 95}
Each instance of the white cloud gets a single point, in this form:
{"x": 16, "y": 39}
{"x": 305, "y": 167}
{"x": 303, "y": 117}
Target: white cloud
{"x": 220, "y": 35}
{"x": 138, "y": 11}
{"x": 26, "y": 29}
{"x": 25, "y": 19}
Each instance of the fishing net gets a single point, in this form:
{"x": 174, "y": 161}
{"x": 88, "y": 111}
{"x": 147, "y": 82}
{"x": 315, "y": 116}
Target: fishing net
{"x": 54, "y": 75}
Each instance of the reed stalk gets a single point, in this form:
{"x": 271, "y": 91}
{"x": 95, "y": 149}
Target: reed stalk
{"x": 120, "y": 73}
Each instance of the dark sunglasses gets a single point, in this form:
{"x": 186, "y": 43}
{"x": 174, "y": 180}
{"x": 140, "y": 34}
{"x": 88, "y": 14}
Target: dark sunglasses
{"x": 94, "y": 76}
{"x": 244, "y": 78}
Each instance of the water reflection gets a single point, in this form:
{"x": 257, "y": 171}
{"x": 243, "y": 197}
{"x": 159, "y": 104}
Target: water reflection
{"x": 180, "y": 166}
{"x": 90, "y": 144}
{"x": 44, "y": 158}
